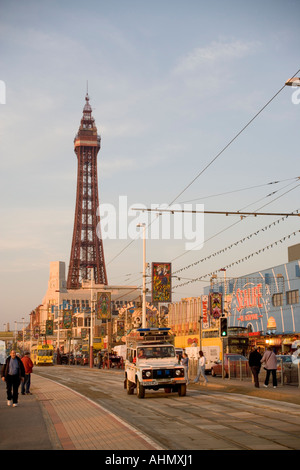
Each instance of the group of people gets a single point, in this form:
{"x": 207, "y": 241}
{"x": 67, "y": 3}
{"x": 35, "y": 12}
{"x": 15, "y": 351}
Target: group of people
{"x": 14, "y": 372}
{"x": 269, "y": 362}
{"x": 200, "y": 369}
{"x": 256, "y": 360}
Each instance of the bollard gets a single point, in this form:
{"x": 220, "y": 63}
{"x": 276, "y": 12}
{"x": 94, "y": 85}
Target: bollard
{"x": 241, "y": 370}
{"x": 228, "y": 368}
{"x": 281, "y": 372}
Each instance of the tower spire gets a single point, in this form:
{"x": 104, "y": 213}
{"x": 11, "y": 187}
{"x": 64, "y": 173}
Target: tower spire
{"x": 87, "y": 246}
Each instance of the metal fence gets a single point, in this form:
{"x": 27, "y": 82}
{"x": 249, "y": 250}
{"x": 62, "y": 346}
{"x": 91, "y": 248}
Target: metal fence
{"x": 287, "y": 373}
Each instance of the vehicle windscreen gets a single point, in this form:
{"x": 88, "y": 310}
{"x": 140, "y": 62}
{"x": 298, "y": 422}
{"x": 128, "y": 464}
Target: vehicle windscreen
{"x": 157, "y": 352}
{"x": 237, "y": 358}
{"x": 45, "y": 352}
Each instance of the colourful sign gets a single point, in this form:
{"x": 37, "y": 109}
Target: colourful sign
{"x": 49, "y": 327}
{"x": 67, "y": 319}
{"x": 161, "y": 282}
{"x": 215, "y": 304}
{"x": 205, "y": 317}
{"x": 103, "y": 306}
{"x": 250, "y": 297}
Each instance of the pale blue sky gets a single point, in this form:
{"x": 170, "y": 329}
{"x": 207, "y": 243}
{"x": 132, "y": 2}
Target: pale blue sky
{"x": 170, "y": 83}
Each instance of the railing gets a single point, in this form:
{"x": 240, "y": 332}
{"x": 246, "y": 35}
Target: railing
{"x": 287, "y": 373}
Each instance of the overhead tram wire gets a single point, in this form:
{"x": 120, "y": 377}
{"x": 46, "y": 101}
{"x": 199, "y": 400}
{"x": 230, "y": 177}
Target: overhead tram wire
{"x": 237, "y": 242}
{"x": 242, "y": 218}
{"x": 257, "y": 252}
{"x": 238, "y": 190}
{"x": 232, "y": 140}
{"x": 159, "y": 210}
{"x": 212, "y": 161}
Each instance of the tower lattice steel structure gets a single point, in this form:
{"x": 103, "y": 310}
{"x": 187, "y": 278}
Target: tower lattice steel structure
{"x": 87, "y": 247}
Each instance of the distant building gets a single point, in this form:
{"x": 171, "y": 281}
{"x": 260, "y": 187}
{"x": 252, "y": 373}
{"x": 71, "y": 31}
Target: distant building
{"x": 265, "y": 302}
{"x": 264, "y": 306}
{"x": 58, "y": 299}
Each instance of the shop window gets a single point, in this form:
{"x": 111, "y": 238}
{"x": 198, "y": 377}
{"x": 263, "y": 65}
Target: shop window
{"x": 292, "y": 297}
{"x": 277, "y": 300}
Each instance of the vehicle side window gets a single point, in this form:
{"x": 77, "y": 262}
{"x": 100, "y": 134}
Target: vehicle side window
{"x": 130, "y": 355}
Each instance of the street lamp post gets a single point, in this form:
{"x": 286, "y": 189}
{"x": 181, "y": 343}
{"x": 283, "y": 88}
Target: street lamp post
{"x": 144, "y": 275}
{"x": 91, "y": 324}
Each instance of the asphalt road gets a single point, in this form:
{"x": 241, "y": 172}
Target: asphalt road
{"x": 205, "y": 418}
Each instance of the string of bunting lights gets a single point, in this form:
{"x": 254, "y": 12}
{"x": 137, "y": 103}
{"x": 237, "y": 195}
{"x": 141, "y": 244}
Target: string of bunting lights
{"x": 240, "y": 260}
{"x": 229, "y": 247}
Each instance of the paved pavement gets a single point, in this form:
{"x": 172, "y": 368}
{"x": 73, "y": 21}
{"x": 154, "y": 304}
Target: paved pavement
{"x": 56, "y": 418}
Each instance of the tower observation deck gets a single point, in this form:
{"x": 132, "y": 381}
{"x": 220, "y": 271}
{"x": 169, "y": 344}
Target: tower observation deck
{"x": 87, "y": 246}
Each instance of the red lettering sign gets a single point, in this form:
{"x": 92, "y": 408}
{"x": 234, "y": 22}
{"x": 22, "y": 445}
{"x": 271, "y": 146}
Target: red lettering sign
{"x": 204, "y": 308}
{"x": 250, "y": 297}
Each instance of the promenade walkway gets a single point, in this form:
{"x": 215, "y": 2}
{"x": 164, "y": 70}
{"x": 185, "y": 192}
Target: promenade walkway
{"x": 56, "y": 418}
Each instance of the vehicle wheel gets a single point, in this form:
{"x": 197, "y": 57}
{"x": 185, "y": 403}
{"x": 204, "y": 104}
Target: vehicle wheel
{"x": 129, "y": 387}
{"x": 213, "y": 374}
{"x": 140, "y": 390}
{"x": 182, "y": 390}
{"x": 167, "y": 390}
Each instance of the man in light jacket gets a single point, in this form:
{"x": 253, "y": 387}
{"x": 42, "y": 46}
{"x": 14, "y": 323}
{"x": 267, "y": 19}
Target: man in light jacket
{"x": 269, "y": 360}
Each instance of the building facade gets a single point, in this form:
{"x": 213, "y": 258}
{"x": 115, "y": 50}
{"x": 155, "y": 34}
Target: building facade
{"x": 78, "y": 303}
{"x": 264, "y": 305}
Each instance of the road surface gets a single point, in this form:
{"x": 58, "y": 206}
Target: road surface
{"x": 203, "y": 419}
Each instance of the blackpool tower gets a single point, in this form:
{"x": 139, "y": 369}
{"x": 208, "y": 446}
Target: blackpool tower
{"x": 87, "y": 247}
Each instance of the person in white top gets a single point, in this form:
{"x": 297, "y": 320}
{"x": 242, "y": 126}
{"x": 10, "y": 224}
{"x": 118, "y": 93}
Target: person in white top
{"x": 201, "y": 368}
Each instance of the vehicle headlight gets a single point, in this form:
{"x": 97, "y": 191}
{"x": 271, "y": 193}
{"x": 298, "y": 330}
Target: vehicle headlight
{"x": 147, "y": 374}
{"x": 179, "y": 372}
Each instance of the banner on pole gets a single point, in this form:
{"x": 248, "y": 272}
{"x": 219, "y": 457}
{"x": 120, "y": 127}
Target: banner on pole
{"x": 215, "y": 304}
{"x": 161, "y": 282}
{"x": 67, "y": 318}
{"x": 103, "y": 306}
{"x": 49, "y": 327}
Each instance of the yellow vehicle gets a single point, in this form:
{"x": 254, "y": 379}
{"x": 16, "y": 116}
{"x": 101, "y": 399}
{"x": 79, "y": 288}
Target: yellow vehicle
{"x": 98, "y": 343}
{"x": 236, "y": 342}
{"x": 42, "y": 354}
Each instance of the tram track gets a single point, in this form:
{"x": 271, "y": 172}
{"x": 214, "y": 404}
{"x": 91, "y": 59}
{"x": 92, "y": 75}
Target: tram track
{"x": 211, "y": 408}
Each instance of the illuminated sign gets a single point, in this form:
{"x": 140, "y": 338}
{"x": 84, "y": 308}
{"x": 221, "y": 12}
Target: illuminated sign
{"x": 215, "y": 304}
{"x": 205, "y": 318}
{"x": 249, "y": 317}
{"x": 250, "y": 297}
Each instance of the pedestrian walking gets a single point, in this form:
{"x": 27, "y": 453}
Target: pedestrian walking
{"x": 185, "y": 363}
{"x": 201, "y": 368}
{"x": 100, "y": 360}
{"x": 13, "y": 373}
{"x": 269, "y": 360}
{"x": 255, "y": 364}
{"x": 28, "y": 366}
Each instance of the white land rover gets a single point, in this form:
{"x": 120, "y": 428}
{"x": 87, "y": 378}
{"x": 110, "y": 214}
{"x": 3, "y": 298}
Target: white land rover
{"x": 151, "y": 363}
